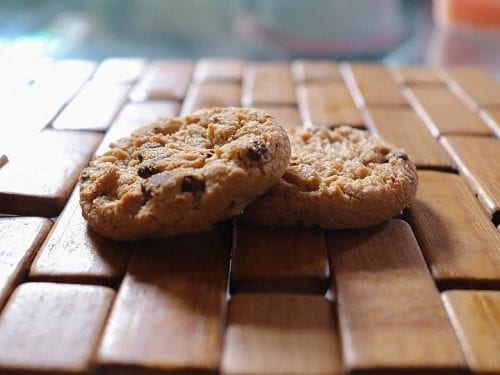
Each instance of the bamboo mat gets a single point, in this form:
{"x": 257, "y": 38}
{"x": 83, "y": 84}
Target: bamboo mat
{"x": 419, "y": 293}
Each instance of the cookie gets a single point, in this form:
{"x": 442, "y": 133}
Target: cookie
{"x": 182, "y": 174}
{"x": 342, "y": 178}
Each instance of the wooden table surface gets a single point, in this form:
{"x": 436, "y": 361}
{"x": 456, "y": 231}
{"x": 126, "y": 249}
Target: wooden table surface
{"x": 417, "y": 294}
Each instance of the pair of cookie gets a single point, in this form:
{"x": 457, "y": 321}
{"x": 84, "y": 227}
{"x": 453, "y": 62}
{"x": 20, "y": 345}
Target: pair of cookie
{"x": 183, "y": 174}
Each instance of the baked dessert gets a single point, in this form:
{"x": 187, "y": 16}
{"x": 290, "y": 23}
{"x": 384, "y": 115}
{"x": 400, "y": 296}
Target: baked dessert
{"x": 182, "y": 174}
{"x": 341, "y": 178}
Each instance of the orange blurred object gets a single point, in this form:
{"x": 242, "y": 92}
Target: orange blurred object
{"x": 477, "y": 13}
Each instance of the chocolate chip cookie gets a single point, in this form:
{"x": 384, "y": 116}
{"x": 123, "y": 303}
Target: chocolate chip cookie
{"x": 342, "y": 178}
{"x": 182, "y": 174}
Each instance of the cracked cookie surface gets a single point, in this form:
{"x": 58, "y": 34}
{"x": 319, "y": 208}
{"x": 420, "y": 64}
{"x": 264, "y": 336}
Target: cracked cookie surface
{"x": 183, "y": 174}
{"x": 342, "y": 178}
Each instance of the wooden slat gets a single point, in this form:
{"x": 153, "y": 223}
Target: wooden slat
{"x": 73, "y": 252}
{"x": 17, "y": 77}
{"x": 134, "y": 115}
{"x": 372, "y": 85}
{"x": 416, "y": 75}
{"x": 286, "y": 116}
{"x": 94, "y": 108}
{"x": 491, "y": 116}
{"x": 460, "y": 244}
{"x": 476, "y": 318}
{"x": 20, "y": 238}
{"x": 37, "y": 106}
{"x": 268, "y": 83}
{"x": 169, "y": 309}
{"x": 478, "y": 160}
{"x": 443, "y": 112}
{"x": 390, "y": 313}
{"x": 120, "y": 70}
{"x": 212, "y": 94}
{"x": 213, "y": 69}
{"x": 327, "y": 104}
{"x": 280, "y": 334}
{"x": 279, "y": 260}
{"x": 164, "y": 79}
{"x": 52, "y": 328}
{"x": 403, "y": 128}
{"x": 51, "y": 162}
{"x": 474, "y": 85}
{"x": 315, "y": 70}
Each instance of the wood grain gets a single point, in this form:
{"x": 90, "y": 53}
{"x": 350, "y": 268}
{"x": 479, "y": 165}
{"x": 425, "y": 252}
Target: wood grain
{"x": 52, "y": 328}
{"x": 94, "y": 108}
{"x": 390, "y": 313}
{"x": 215, "y": 69}
{"x": 280, "y": 334}
{"x": 443, "y": 112}
{"x": 51, "y": 163}
{"x": 268, "y": 83}
{"x": 73, "y": 252}
{"x": 211, "y": 94}
{"x": 460, "y": 244}
{"x": 20, "y": 238}
{"x": 164, "y": 79}
{"x": 287, "y": 116}
{"x": 279, "y": 260}
{"x": 478, "y": 161}
{"x": 476, "y": 318}
{"x": 134, "y": 115}
{"x": 119, "y": 70}
{"x": 474, "y": 85}
{"x": 403, "y": 128}
{"x": 491, "y": 116}
{"x": 315, "y": 70}
{"x": 169, "y": 309}
{"x": 372, "y": 85}
{"x": 416, "y": 75}
{"x": 327, "y": 104}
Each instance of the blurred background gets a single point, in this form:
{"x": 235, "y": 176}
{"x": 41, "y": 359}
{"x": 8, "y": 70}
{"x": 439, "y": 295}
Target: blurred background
{"x": 396, "y": 31}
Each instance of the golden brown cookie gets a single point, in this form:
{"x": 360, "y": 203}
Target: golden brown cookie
{"x": 183, "y": 174}
{"x": 342, "y": 178}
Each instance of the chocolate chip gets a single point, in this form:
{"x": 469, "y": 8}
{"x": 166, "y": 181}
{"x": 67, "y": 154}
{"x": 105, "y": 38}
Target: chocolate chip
{"x": 140, "y": 158}
{"x": 257, "y": 151}
{"x": 147, "y": 171}
{"x": 193, "y": 185}
{"x": 84, "y": 176}
{"x": 153, "y": 183}
{"x": 396, "y": 154}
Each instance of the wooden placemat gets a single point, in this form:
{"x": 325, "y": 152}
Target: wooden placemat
{"x": 419, "y": 293}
